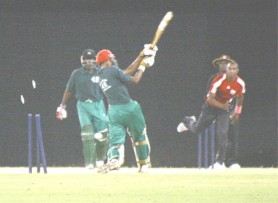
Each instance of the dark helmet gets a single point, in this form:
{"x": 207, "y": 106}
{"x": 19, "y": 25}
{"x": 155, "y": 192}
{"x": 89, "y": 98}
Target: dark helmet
{"x": 88, "y": 54}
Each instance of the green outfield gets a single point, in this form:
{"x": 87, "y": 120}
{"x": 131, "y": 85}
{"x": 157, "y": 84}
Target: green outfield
{"x": 159, "y": 185}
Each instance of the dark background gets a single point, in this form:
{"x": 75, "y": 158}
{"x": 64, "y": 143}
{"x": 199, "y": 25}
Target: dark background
{"x": 43, "y": 41}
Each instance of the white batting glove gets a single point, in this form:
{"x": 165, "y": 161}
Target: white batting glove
{"x": 148, "y": 51}
{"x": 61, "y": 112}
{"x": 147, "y": 62}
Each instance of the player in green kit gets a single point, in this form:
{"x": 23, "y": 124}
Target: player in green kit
{"x": 84, "y": 83}
{"x": 124, "y": 113}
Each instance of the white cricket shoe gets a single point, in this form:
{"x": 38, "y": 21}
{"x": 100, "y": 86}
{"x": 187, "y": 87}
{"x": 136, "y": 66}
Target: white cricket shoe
{"x": 218, "y": 166}
{"x": 143, "y": 168}
{"x": 90, "y": 166}
{"x": 113, "y": 164}
{"x": 235, "y": 166}
{"x": 99, "y": 163}
{"x": 181, "y": 127}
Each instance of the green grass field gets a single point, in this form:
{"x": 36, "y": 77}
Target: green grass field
{"x": 159, "y": 185}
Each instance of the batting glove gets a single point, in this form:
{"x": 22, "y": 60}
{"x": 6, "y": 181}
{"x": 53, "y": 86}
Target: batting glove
{"x": 146, "y": 63}
{"x": 148, "y": 51}
{"x": 61, "y": 112}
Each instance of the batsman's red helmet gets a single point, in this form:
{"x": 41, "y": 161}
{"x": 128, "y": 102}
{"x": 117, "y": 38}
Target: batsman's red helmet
{"x": 104, "y": 55}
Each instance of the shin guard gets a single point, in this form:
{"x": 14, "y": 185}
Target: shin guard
{"x": 89, "y": 145}
{"x": 142, "y": 151}
{"x": 101, "y": 145}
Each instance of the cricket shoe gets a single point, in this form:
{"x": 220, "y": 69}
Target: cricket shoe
{"x": 99, "y": 163}
{"x": 218, "y": 166}
{"x": 113, "y": 164}
{"x": 90, "y": 166}
{"x": 235, "y": 166}
{"x": 143, "y": 168}
{"x": 182, "y": 127}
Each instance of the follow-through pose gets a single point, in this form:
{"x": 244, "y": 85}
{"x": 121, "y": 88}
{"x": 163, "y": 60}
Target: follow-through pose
{"x": 231, "y": 161}
{"x": 124, "y": 113}
{"x": 223, "y": 88}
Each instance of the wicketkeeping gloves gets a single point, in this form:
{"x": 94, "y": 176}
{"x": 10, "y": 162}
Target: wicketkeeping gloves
{"x": 61, "y": 112}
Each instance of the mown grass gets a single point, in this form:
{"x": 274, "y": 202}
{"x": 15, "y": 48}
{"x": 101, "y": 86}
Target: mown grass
{"x": 254, "y": 185}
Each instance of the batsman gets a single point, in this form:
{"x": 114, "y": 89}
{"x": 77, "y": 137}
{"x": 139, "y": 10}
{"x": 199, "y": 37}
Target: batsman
{"x": 84, "y": 83}
{"x": 124, "y": 113}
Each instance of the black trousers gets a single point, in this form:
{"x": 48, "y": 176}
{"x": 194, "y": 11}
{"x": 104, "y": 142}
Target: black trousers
{"x": 222, "y": 120}
{"x": 232, "y": 149}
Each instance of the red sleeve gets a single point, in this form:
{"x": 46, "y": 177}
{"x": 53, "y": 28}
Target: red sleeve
{"x": 216, "y": 82}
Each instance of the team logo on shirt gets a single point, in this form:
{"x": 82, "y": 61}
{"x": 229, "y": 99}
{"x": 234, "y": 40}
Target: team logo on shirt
{"x": 95, "y": 79}
{"x": 104, "y": 86}
{"x": 232, "y": 92}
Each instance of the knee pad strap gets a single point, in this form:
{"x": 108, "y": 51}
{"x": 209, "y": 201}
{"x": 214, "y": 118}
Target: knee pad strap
{"x": 87, "y": 133}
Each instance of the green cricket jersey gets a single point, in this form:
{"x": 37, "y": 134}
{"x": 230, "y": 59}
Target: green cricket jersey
{"x": 113, "y": 83}
{"x": 123, "y": 114}
{"x": 85, "y": 84}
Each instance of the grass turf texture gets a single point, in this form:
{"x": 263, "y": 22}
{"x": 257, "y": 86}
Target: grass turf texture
{"x": 160, "y": 185}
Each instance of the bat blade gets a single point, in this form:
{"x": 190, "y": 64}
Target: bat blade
{"x": 162, "y": 26}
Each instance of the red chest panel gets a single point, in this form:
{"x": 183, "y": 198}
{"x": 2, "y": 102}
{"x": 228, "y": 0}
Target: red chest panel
{"x": 225, "y": 89}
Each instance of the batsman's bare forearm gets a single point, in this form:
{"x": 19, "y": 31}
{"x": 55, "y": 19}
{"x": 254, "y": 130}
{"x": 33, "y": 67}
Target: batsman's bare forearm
{"x": 137, "y": 77}
{"x": 66, "y": 97}
{"x": 130, "y": 70}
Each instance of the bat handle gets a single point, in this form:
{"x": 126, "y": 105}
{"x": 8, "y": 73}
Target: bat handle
{"x": 154, "y": 43}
